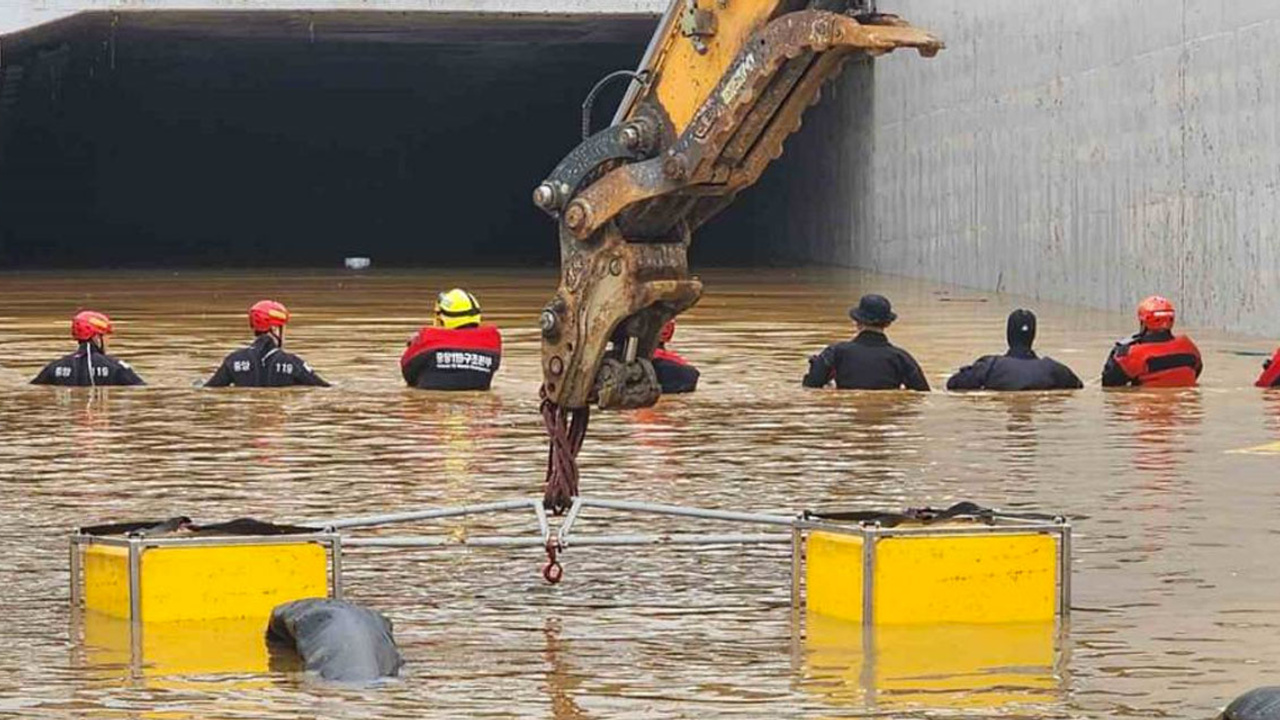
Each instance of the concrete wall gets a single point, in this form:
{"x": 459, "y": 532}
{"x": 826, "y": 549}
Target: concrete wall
{"x": 1094, "y": 152}
{"x": 18, "y": 15}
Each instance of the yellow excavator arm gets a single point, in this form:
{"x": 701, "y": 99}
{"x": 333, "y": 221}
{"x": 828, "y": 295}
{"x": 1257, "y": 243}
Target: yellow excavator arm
{"x": 721, "y": 86}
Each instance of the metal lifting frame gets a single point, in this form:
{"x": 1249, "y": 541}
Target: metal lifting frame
{"x": 562, "y": 537}
{"x": 796, "y": 527}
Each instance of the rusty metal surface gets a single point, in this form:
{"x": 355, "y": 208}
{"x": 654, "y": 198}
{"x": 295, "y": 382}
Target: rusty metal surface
{"x": 632, "y": 141}
{"x": 624, "y": 234}
{"x": 784, "y": 123}
{"x": 762, "y": 76}
{"x": 600, "y": 286}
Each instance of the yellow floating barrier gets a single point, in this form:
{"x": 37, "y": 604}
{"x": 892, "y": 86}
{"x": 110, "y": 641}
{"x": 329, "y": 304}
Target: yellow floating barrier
{"x": 990, "y": 568}
{"x": 183, "y": 577}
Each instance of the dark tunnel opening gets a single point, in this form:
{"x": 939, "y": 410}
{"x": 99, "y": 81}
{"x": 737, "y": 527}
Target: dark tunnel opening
{"x": 184, "y": 139}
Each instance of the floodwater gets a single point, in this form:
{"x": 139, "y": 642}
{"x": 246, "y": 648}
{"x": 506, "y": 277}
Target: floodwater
{"x": 1176, "y": 606}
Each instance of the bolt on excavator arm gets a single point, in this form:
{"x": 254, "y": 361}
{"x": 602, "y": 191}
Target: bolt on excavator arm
{"x": 721, "y": 86}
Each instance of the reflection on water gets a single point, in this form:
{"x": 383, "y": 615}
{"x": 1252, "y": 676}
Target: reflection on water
{"x": 1175, "y": 587}
{"x": 169, "y": 650}
{"x": 976, "y": 668}
{"x": 1160, "y": 426}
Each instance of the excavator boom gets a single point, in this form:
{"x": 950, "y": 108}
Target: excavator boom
{"x": 721, "y": 86}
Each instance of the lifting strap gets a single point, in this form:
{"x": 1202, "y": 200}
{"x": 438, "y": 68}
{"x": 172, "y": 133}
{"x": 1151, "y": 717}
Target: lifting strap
{"x": 964, "y": 510}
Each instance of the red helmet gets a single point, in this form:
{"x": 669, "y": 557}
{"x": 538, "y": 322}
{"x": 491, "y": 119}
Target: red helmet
{"x": 1156, "y": 313}
{"x": 667, "y": 332}
{"x": 266, "y": 314}
{"x": 87, "y": 325}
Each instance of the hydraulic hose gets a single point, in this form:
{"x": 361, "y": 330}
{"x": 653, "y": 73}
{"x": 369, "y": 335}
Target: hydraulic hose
{"x": 640, "y": 77}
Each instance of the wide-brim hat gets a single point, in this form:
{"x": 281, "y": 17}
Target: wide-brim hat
{"x": 873, "y": 310}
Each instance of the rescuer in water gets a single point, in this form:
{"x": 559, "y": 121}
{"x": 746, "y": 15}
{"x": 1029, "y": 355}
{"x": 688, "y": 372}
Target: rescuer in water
{"x": 868, "y": 361}
{"x": 264, "y": 363}
{"x": 89, "y": 365}
{"x": 1155, "y": 357}
{"x": 675, "y": 374}
{"x": 1019, "y": 368}
{"x": 1270, "y": 376}
{"x": 457, "y": 352}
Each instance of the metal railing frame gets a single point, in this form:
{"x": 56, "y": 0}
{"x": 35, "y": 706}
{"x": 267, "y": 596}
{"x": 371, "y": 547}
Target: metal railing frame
{"x": 562, "y": 537}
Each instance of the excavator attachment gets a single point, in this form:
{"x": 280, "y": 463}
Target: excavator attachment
{"x": 722, "y": 85}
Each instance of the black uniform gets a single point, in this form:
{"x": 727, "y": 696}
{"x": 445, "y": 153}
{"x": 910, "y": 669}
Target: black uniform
{"x": 867, "y": 362}
{"x": 1018, "y": 369}
{"x": 87, "y": 366}
{"x": 675, "y": 374}
{"x": 264, "y": 364}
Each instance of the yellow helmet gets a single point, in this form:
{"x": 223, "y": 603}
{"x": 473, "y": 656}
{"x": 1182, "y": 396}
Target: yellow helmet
{"x": 457, "y": 308}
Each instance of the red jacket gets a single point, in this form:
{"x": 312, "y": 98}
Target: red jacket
{"x": 459, "y": 359}
{"x": 1270, "y": 376}
{"x": 1157, "y": 359}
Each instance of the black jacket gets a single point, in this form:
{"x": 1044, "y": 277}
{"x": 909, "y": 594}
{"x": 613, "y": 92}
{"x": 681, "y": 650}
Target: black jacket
{"x": 264, "y": 364}
{"x": 867, "y": 362}
{"x": 1018, "y": 369}
{"x": 87, "y": 367}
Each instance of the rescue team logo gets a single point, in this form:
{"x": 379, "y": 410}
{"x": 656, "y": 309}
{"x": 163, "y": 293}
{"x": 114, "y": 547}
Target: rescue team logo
{"x": 455, "y": 360}
{"x": 64, "y": 371}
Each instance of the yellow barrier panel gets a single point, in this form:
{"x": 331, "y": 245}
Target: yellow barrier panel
{"x": 833, "y": 565}
{"x": 965, "y": 579}
{"x": 205, "y": 581}
{"x": 106, "y": 580}
{"x": 933, "y": 574}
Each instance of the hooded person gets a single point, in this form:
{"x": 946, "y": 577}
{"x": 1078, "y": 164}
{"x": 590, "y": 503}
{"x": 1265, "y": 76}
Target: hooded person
{"x": 675, "y": 374}
{"x": 457, "y": 352}
{"x": 89, "y": 365}
{"x": 868, "y": 361}
{"x": 1154, "y": 357}
{"x": 336, "y": 640}
{"x": 264, "y": 363}
{"x": 1019, "y": 368}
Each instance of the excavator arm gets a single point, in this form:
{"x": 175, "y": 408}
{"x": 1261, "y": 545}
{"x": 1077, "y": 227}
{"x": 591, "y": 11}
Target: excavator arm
{"x": 722, "y": 85}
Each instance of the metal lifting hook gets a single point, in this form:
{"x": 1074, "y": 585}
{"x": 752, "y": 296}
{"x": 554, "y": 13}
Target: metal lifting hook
{"x": 553, "y": 571}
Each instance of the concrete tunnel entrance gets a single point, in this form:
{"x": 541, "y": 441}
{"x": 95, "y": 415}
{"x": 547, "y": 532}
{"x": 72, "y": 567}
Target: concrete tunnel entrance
{"x": 179, "y": 139}
{"x": 237, "y": 139}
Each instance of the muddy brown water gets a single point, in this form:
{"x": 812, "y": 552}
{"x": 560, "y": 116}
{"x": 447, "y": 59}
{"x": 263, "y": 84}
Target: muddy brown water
{"x": 1177, "y": 594}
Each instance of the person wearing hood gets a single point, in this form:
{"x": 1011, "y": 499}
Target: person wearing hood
{"x": 868, "y": 361}
{"x": 1019, "y": 368}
